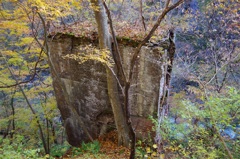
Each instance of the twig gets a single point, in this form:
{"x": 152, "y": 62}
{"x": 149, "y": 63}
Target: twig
{"x": 142, "y": 17}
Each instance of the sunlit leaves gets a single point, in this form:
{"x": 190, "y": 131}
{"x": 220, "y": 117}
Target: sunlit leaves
{"x": 25, "y": 41}
{"x": 54, "y": 9}
{"x": 91, "y": 53}
{"x": 15, "y": 28}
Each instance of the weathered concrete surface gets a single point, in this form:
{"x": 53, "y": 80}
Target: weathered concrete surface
{"x": 86, "y": 86}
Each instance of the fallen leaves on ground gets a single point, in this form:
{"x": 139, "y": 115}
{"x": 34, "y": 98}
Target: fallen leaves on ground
{"x": 109, "y": 149}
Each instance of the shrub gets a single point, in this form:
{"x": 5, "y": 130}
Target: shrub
{"x": 203, "y": 130}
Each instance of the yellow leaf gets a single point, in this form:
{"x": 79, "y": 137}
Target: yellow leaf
{"x": 47, "y": 156}
{"x": 154, "y": 154}
{"x": 162, "y": 156}
{"x": 155, "y": 146}
{"x": 148, "y": 150}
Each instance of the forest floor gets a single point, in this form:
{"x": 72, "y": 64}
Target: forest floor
{"x": 109, "y": 149}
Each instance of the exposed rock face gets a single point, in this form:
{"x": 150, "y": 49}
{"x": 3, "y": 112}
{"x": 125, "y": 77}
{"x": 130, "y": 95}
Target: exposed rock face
{"x": 86, "y": 86}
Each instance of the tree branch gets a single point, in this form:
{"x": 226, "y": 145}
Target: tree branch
{"x": 150, "y": 34}
{"x": 31, "y": 78}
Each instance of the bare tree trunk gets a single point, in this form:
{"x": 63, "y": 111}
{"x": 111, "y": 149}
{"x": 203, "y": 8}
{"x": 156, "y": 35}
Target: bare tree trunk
{"x": 105, "y": 43}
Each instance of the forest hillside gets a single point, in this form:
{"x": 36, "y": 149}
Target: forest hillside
{"x": 119, "y": 79}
